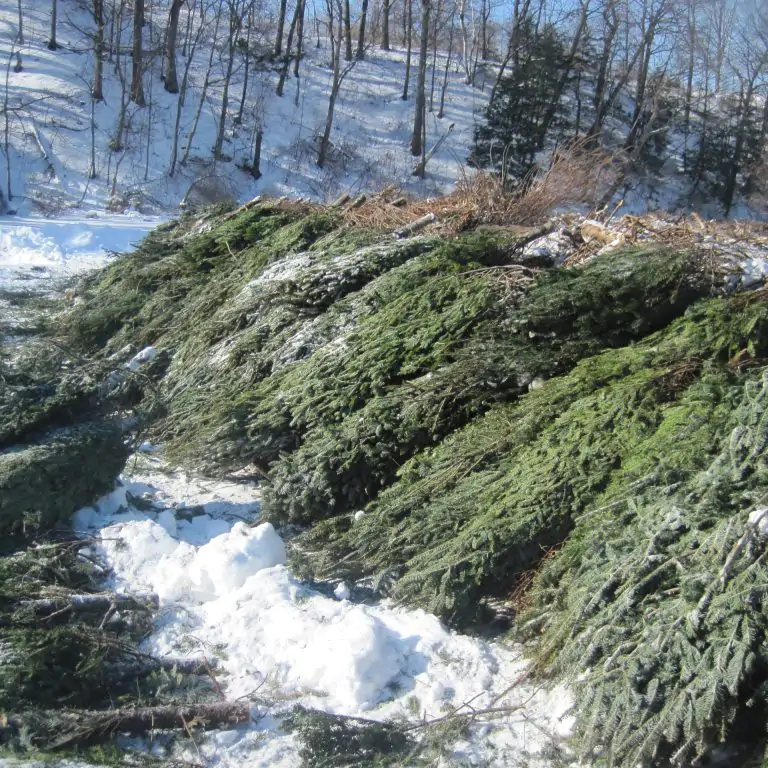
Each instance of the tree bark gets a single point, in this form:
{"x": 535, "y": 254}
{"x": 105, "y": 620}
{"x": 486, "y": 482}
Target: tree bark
{"x": 386, "y": 6}
{"x": 611, "y": 27}
{"x": 566, "y": 70}
{"x": 444, "y": 88}
{"x": 347, "y": 32}
{"x": 246, "y": 68}
{"x": 234, "y": 30}
{"x": 420, "y": 111}
{"x": 280, "y": 27}
{"x": 192, "y": 45}
{"x": 137, "y": 87}
{"x": 361, "y": 35}
{"x": 288, "y": 46}
{"x": 409, "y": 37}
{"x": 97, "y": 89}
{"x": 466, "y": 51}
{"x": 20, "y": 38}
{"x": 256, "y": 164}
{"x": 52, "y": 44}
{"x": 299, "y": 39}
{"x": 206, "y": 83}
{"x": 171, "y": 80}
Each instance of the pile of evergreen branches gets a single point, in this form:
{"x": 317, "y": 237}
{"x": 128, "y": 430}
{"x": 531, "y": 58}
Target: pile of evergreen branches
{"x": 584, "y": 446}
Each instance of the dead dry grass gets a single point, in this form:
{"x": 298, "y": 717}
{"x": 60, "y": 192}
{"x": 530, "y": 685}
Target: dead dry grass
{"x": 575, "y": 176}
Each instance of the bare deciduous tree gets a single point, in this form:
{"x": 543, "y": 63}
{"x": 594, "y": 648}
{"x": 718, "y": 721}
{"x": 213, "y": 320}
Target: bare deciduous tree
{"x": 237, "y": 10}
{"x": 97, "y": 89}
{"x": 386, "y": 6}
{"x": 137, "y": 85}
{"x": 420, "y": 107}
{"x": 171, "y": 82}
{"x": 409, "y": 39}
{"x": 336, "y": 35}
{"x": 52, "y": 45}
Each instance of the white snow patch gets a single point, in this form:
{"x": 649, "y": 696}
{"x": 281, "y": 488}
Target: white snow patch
{"x": 754, "y": 270}
{"x": 146, "y": 355}
{"x": 342, "y": 591}
{"x": 224, "y": 587}
{"x": 759, "y": 518}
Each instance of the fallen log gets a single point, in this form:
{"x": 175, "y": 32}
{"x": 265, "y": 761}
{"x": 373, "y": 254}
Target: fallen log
{"x": 62, "y": 730}
{"x": 98, "y": 603}
{"x": 415, "y": 226}
{"x": 340, "y": 201}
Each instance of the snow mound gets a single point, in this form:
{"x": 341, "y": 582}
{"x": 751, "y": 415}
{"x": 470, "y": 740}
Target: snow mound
{"x": 145, "y": 553}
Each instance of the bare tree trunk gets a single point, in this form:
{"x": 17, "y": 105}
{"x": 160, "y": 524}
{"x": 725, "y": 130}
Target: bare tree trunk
{"x": 361, "y": 35}
{"x": 117, "y": 142}
{"x": 288, "y": 46}
{"x": 608, "y": 101}
{"x": 188, "y": 30}
{"x": 438, "y": 13}
{"x": 7, "y": 131}
{"x": 149, "y": 110}
{"x": 409, "y": 4}
{"x": 466, "y": 51}
{"x": 299, "y": 40}
{"x": 386, "y": 6}
{"x": 52, "y": 44}
{"x": 280, "y": 27}
{"x": 485, "y": 14}
{"x": 420, "y": 111}
{"x": 692, "y": 38}
{"x": 722, "y": 24}
{"x": 92, "y": 169}
{"x": 519, "y": 17}
{"x": 97, "y": 91}
{"x": 444, "y": 88}
{"x": 325, "y": 141}
{"x": 20, "y": 38}
{"x": 650, "y": 28}
{"x": 183, "y": 92}
{"x": 137, "y": 87}
{"x": 347, "y": 32}
{"x": 611, "y": 27}
{"x": 256, "y": 164}
{"x": 111, "y": 48}
{"x": 339, "y": 74}
{"x": 246, "y": 65}
{"x": 235, "y": 24}
{"x": 566, "y": 70}
{"x": 171, "y": 81}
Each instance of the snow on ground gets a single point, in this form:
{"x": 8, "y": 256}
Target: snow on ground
{"x": 36, "y": 251}
{"x": 225, "y": 592}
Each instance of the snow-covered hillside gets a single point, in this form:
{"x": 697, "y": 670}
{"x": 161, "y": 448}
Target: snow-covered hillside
{"x": 50, "y": 136}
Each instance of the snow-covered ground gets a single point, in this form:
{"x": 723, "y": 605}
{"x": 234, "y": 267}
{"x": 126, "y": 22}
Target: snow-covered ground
{"x": 37, "y": 252}
{"x": 226, "y": 594}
